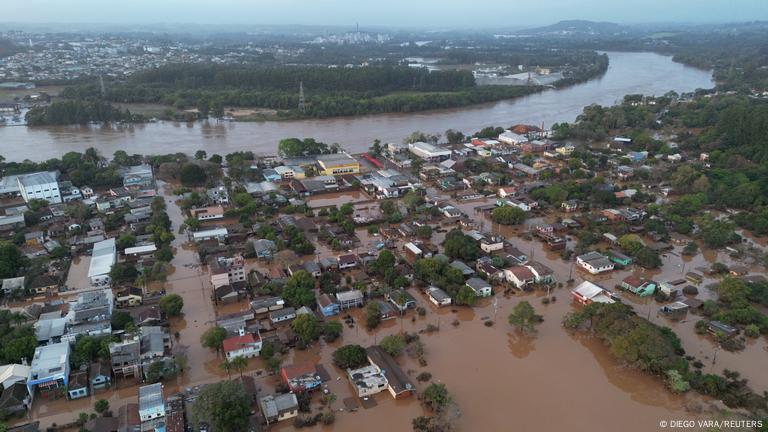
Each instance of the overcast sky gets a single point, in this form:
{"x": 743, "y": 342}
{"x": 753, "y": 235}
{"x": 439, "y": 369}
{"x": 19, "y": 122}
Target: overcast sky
{"x": 401, "y": 13}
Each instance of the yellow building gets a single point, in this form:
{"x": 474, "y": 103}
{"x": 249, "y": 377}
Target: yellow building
{"x": 337, "y": 164}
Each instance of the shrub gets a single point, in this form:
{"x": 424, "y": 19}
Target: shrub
{"x": 393, "y": 344}
{"x": 752, "y": 330}
{"x": 676, "y": 382}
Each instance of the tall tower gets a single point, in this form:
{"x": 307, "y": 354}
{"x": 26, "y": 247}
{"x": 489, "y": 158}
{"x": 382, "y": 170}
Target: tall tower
{"x": 101, "y": 85}
{"x": 302, "y": 101}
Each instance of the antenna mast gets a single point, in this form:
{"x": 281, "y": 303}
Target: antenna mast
{"x": 302, "y": 100}
{"x": 101, "y": 85}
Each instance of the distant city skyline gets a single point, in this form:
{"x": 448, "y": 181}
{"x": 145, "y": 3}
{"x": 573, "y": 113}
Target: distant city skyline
{"x": 428, "y": 14}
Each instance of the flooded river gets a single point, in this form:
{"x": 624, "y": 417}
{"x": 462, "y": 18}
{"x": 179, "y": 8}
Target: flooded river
{"x": 628, "y": 73}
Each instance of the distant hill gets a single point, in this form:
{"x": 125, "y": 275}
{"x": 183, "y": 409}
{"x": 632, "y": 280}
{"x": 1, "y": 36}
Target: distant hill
{"x": 577, "y": 28}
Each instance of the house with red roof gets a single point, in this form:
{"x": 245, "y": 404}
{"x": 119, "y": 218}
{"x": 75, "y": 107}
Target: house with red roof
{"x": 247, "y": 345}
{"x": 301, "y": 377}
{"x": 520, "y": 276}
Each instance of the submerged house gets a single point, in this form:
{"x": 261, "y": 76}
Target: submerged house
{"x": 638, "y": 286}
{"x": 588, "y": 292}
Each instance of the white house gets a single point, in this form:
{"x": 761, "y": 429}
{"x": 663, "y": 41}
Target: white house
{"x": 491, "y": 243}
{"x": 511, "y": 138}
{"x": 520, "y": 276}
{"x": 506, "y": 191}
{"x": 280, "y": 315}
{"x": 438, "y": 296}
{"x": 247, "y": 345}
{"x": 216, "y": 233}
{"x": 151, "y": 404}
{"x": 587, "y": 293}
{"x": 104, "y": 255}
{"x": 290, "y": 172}
{"x": 368, "y": 380}
{"x": 480, "y": 287}
{"x": 594, "y": 262}
{"x": 12, "y": 284}
{"x": 40, "y": 185}
{"x": 429, "y": 152}
{"x": 49, "y": 369}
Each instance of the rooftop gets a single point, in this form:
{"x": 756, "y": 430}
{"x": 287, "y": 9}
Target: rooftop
{"x": 273, "y": 405}
{"x": 151, "y": 397}
{"x": 395, "y": 376}
{"x": 238, "y": 342}
{"x": 50, "y": 360}
{"x": 38, "y": 178}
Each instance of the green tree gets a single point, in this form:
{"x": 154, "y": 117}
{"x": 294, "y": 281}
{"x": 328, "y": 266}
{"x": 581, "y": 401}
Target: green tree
{"x": 630, "y": 243}
{"x": 508, "y": 215}
{"x": 307, "y": 328}
{"x": 466, "y": 296}
{"x": 171, "y": 304}
{"x": 350, "y": 357}
{"x": 372, "y": 315}
{"x": 123, "y": 272}
{"x": 192, "y": 175}
{"x": 11, "y": 260}
{"x": 298, "y": 290}
{"x": 18, "y": 345}
{"x": 89, "y": 348}
{"x": 454, "y": 136}
{"x": 676, "y": 382}
{"x": 458, "y": 245}
{"x": 393, "y": 344}
{"x": 385, "y": 261}
{"x": 126, "y": 240}
{"x": 101, "y": 406}
{"x": 164, "y": 254}
{"x": 239, "y": 364}
{"x": 227, "y": 367}
{"x": 213, "y": 338}
{"x": 648, "y": 258}
{"x": 524, "y": 317}
{"x": 224, "y": 405}
{"x": 201, "y": 155}
{"x": 294, "y": 147}
{"x": 424, "y": 232}
{"x": 332, "y": 330}
{"x": 121, "y": 319}
{"x": 436, "y": 397}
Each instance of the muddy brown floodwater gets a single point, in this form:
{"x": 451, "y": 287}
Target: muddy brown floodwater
{"x": 628, "y": 73}
{"x": 188, "y": 279}
{"x": 500, "y": 379}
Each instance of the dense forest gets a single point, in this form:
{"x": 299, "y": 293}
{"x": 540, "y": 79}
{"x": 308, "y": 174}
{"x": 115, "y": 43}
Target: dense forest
{"x": 329, "y": 91}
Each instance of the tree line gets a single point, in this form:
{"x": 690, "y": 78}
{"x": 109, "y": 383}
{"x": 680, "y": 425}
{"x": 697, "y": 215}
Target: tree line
{"x": 79, "y": 111}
